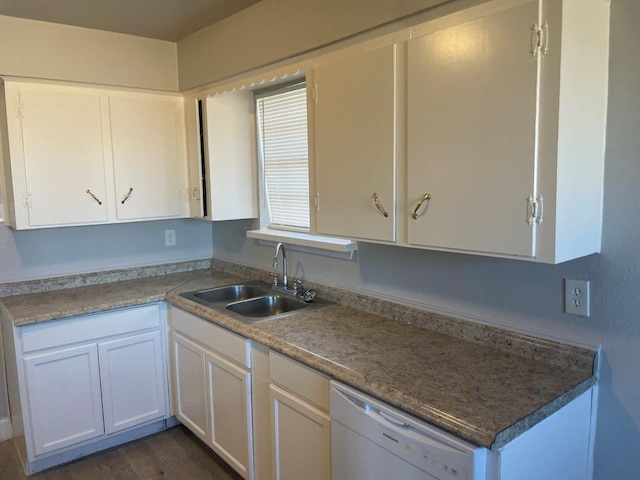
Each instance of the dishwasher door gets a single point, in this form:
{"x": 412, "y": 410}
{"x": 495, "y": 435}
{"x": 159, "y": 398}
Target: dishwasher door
{"x": 372, "y": 441}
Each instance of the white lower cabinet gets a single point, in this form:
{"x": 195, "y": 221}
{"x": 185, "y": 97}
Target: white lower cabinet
{"x": 132, "y": 375}
{"x": 63, "y": 389}
{"x": 82, "y": 384}
{"x": 211, "y": 387}
{"x": 300, "y": 421}
{"x": 301, "y": 438}
{"x": 188, "y": 385}
{"x": 229, "y": 393}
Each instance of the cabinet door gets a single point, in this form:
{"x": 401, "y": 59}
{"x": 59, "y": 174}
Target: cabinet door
{"x": 301, "y": 438}
{"x": 355, "y": 150}
{"x": 472, "y": 134}
{"x": 134, "y": 387}
{"x": 63, "y": 390}
{"x": 146, "y": 157}
{"x": 229, "y": 389}
{"x": 231, "y": 146}
{"x": 189, "y": 380}
{"x": 63, "y": 157}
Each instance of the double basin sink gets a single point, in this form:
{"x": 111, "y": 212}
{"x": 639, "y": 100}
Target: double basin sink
{"x": 251, "y": 302}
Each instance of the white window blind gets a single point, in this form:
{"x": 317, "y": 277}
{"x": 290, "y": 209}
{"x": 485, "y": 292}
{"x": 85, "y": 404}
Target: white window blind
{"x": 282, "y": 118}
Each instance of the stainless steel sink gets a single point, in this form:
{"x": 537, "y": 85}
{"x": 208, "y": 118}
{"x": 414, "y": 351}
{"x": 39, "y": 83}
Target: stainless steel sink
{"x": 266, "y": 306}
{"x": 251, "y": 302}
{"x": 231, "y": 293}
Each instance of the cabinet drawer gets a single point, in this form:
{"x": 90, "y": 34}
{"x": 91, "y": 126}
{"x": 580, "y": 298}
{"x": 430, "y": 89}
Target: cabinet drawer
{"x": 217, "y": 338}
{"x": 300, "y": 379}
{"x": 89, "y": 327}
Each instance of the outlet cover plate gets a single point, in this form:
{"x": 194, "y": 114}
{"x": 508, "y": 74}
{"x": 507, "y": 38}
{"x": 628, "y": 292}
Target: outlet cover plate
{"x": 577, "y": 297}
{"x": 170, "y": 238}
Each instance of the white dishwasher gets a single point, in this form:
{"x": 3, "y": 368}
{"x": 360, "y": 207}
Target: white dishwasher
{"x": 373, "y": 441}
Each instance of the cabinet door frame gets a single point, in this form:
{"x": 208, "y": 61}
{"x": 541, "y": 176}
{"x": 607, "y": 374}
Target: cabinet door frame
{"x": 35, "y": 206}
{"x": 472, "y": 133}
{"x": 177, "y": 341}
{"x": 40, "y": 398}
{"x": 114, "y": 393}
{"x": 214, "y": 361}
{"x": 280, "y": 397}
{"x": 129, "y": 139}
{"x": 367, "y": 111}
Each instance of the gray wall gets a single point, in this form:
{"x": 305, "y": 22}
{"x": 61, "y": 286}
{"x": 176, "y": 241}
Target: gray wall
{"x": 32, "y": 254}
{"x": 29, "y": 48}
{"x": 528, "y": 297}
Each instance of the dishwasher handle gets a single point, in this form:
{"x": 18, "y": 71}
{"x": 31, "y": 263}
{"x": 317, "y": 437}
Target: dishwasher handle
{"x": 393, "y": 420}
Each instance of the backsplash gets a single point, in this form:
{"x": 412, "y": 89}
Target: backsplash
{"x": 566, "y": 356}
{"x": 95, "y": 278}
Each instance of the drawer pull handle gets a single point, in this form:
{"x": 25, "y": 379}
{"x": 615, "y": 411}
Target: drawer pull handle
{"x": 425, "y": 197}
{"x": 376, "y": 201}
{"x": 127, "y": 195}
{"x": 94, "y": 197}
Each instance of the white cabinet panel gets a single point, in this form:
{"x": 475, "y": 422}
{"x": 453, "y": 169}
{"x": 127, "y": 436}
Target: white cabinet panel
{"x": 230, "y": 144}
{"x": 190, "y": 385}
{"x": 355, "y": 149}
{"x": 145, "y": 157}
{"x": 65, "y": 404}
{"x": 229, "y": 390}
{"x": 133, "y": 381}
{"x": 471, "y": 134}
{"x": 63, "y": 157}
{"x": 301, "y": 436}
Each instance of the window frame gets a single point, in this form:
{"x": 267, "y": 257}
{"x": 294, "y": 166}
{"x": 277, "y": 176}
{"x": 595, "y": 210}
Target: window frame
{"x": 264, "y": 212}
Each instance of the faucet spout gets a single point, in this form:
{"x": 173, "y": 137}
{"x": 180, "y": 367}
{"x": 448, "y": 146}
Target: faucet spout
{"x": 279, "y": 247}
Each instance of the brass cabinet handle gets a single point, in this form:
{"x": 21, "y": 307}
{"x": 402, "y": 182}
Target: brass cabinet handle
{"x": 94, "y": 197}
{"x": 127, "y": 195}
{"x": 425, "y": 197}
{"x": 376, "y": 201}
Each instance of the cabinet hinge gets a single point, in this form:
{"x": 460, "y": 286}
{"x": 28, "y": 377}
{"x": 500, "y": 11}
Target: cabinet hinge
{"x": 539, "y": 39}
{"x": 316, "y": 201}
{"x": 26, "y": 200}
{"x": 314, "y": 93}
{"x": 534, "y": 209}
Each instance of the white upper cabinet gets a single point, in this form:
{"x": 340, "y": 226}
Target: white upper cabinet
{"x": 222, "y": 155}
{"x": 487, "y": 138}
{"x": 57, "y": 151}
{"x": 230, "y": 146}
{"x": 355, "y": 147}
{"x": 506, "y": 129}
{"x": 146, "y": 156}
{"x": 472, "y": 134}
{"x": 78, "y": 155}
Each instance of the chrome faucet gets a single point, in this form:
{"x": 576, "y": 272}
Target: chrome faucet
{"x": 285, "y": 279}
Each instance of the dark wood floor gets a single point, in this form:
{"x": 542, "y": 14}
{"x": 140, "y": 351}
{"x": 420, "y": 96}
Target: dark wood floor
{"x": 174, "y": 454}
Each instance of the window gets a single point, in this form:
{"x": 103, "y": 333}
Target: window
{"x": 284, "y": 153}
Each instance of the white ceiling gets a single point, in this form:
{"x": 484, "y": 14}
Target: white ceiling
{"x": 162, "y": 19}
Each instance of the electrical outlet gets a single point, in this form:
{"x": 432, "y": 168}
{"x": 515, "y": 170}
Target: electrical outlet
{"x": 576, "y": 297}
{"x": 170, "y": 238}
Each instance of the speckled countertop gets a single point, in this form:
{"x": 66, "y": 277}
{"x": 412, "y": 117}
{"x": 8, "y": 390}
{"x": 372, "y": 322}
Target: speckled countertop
{"x": 474, "y": 388}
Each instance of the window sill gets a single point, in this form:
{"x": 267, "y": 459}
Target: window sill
{"x": 305, "y": 242}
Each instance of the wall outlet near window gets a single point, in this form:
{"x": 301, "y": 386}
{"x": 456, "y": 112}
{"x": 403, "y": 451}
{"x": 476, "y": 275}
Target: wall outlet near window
{"x": 170, "y": 238}
{"x": 576, "y": 297}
